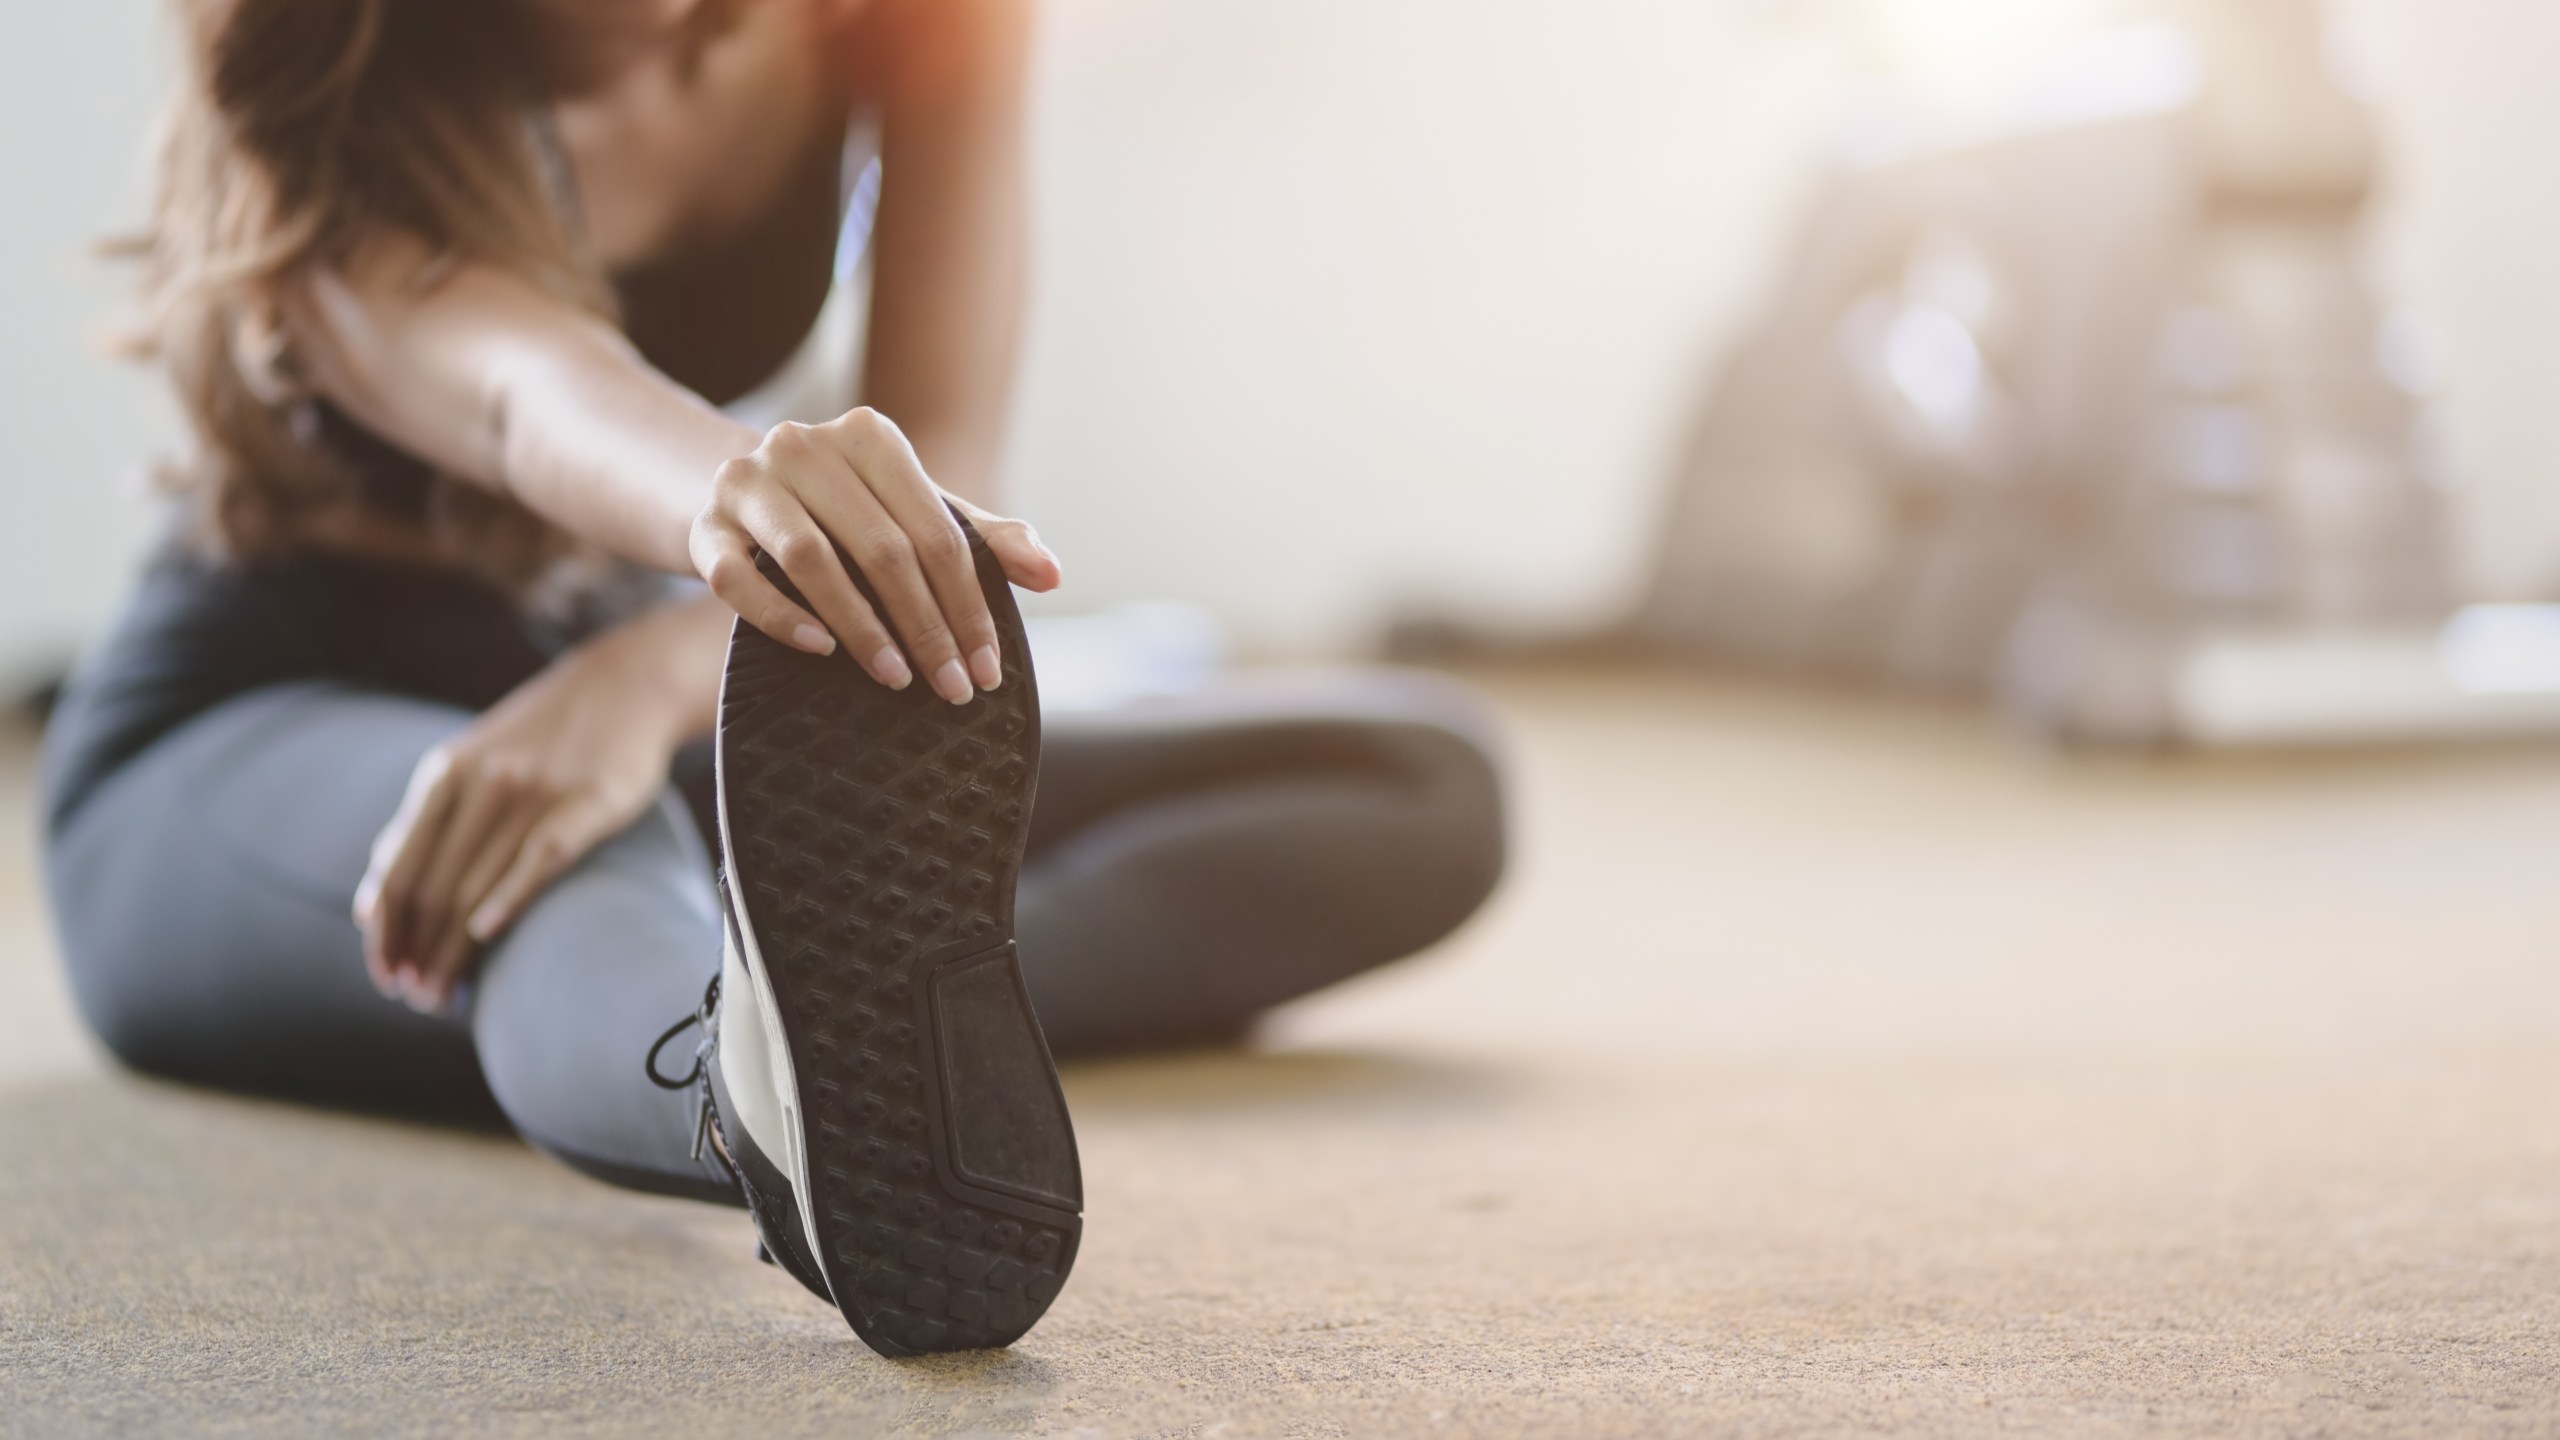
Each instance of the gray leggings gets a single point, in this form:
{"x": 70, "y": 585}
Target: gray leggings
{"x": 1192, "y": 863}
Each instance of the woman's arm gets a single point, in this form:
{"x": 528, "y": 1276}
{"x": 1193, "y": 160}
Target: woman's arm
{"x": 946, "y": 312}
{"x": 494, "y": 380}
{"x": 491, "y": 379}
{"x": 495, "y": 814}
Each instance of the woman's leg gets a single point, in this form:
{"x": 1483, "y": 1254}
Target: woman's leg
{"x": 570, "y": 1000}
{"x": 203, "y": 899}
{"x": 1195, "y": 862}
{"x": 202, "y": 896}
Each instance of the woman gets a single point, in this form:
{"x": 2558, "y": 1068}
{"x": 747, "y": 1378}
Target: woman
{"x": 451, "y": 290}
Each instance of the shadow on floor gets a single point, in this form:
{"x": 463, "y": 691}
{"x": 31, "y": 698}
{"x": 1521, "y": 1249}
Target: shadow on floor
{"x": 1198, "y": 1084}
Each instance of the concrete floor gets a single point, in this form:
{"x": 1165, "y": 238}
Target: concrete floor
{"x": 1827, "y": 1067}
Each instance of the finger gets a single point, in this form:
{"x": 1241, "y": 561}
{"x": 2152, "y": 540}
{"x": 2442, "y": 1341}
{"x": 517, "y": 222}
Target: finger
{"x": 368, "y": 911}
{"x": 1027, "y": 560}
{"x": 776, "y": 518}
{"x": 400, "y": 853}
{"x": 484, "y": 801}
{"x": 889, "y": 469}
{"x": 889, "y": 561}
{"x": 798, "y": 538}
{"x": 439, "y": 967}
{"x": 550, "y": 847}
{"x": 726, "y": 561}
{"x": 802, "y": 542}
{"x": 450, "y": 957}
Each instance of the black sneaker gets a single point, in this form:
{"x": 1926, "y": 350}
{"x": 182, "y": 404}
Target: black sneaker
{"x": 882, "y": 1086}
{"x": 779, "y": 1238}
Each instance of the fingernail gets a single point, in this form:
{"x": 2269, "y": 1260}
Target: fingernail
{"x": 986, "y": 667}
{"x": 890, "y": 668}
{"x": 483, "y": 924}
{"x": 952, "y": 682}
{"x": 813, "y": 640}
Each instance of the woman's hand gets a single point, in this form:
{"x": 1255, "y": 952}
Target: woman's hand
{"x": 855, "y": 483}
{"x": 496, "y": 813}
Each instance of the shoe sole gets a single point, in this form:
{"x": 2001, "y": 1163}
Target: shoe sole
{"x": 872, "y": 838}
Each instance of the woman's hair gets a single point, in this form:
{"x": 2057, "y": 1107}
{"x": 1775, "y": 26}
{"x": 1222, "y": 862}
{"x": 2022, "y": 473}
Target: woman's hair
{"x": 301, "y": 127}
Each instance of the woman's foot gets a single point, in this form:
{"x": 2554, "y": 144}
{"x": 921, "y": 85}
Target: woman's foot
{"x": 883, "y": 1089}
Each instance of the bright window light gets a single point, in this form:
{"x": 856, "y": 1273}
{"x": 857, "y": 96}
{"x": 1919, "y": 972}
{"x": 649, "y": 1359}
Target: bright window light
{"x": 2502, "y": 649}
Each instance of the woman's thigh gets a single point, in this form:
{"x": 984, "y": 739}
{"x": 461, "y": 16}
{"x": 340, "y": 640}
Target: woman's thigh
{"x": 570, "y": 1000}
{"x": 1401, "y": 728}
{"x": 203, "y": 898}
{"x": 1195, "y": 862}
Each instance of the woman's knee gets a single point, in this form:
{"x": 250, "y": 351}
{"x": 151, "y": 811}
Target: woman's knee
{"x": 1458, "y": 844}
{"x": 1433, "y": 745}
{"x": 109, "y": 953}
{"x": 568, "y": 1000}
{"x": 129, "y": 1020}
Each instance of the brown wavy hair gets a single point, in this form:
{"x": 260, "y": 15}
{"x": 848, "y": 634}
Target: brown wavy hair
{"x": 301, "y": 127}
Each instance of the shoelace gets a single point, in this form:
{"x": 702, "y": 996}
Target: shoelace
{"x": 698, "y": 1077}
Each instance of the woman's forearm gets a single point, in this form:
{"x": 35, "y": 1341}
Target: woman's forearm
{"x": 668, "y": 661}
{"x": 495, "y": 381}
{"x": 592, "y": 437}
{"x": 567, "y": 759}
{"x": 492, "y": 379}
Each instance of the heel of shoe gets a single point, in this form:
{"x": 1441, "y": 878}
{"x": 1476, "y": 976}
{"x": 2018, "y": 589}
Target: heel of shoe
{"x": 1004, "y": 1117}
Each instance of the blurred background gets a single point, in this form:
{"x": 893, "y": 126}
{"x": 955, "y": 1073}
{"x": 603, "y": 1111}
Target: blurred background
{"x": 2155, "y": 370}
{"x": 1688, "y": 373}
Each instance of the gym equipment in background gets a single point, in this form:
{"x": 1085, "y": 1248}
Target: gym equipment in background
{"x": 2080, "y": 399}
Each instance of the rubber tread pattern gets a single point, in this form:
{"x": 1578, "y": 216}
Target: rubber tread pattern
{"x": 872, "y": 834}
